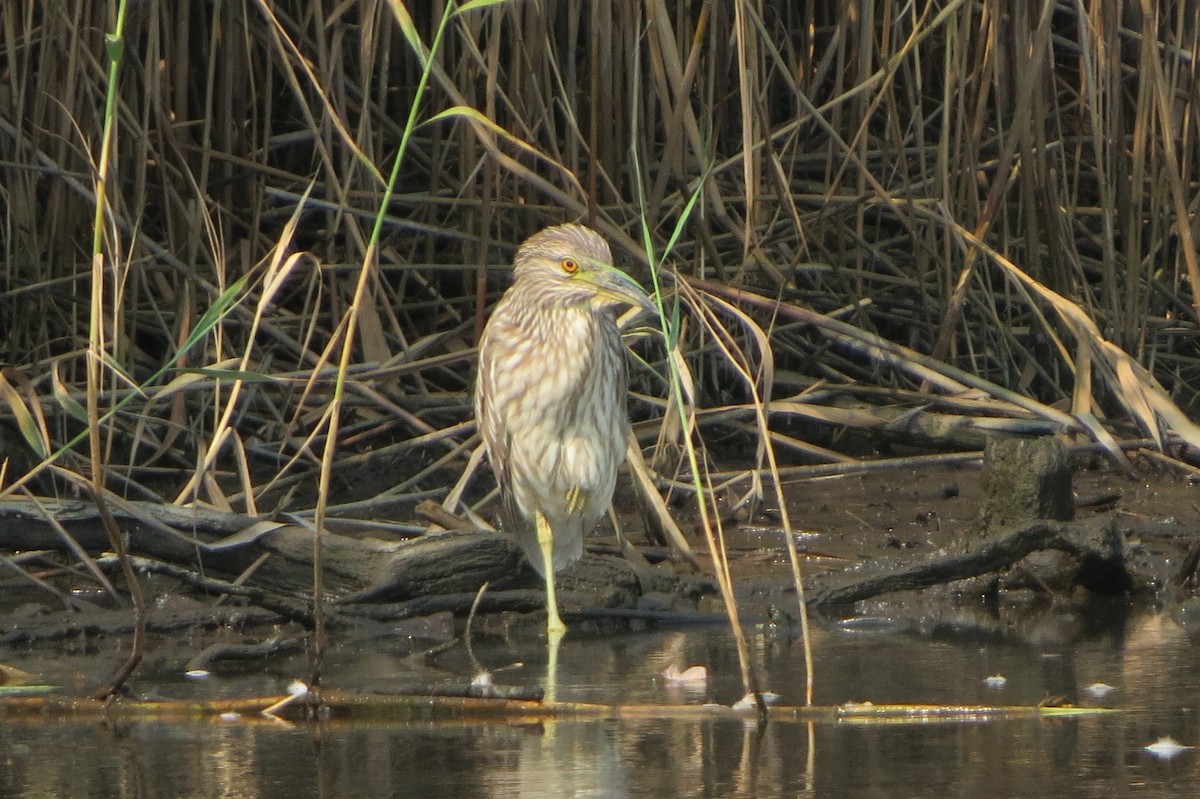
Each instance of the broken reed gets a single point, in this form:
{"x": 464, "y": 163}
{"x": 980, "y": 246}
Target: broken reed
{"x": 844, "y": 155}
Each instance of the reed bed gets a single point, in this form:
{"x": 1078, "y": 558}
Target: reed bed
{"x": 852, "y": 159}
{"x": 984, "y": 210}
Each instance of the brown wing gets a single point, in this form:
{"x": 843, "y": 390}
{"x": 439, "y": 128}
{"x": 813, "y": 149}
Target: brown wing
{"x": 493, "y": 428}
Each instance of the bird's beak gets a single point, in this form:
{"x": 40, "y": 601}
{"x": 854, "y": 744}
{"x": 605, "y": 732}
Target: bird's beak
{"x": 614, "y": 287}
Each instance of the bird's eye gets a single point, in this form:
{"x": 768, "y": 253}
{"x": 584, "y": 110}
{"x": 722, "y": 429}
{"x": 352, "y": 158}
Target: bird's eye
{"x": 569, "y": 265}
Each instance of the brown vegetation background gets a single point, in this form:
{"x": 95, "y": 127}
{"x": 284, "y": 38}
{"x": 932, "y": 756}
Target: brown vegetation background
{"x": 898, "y": 166}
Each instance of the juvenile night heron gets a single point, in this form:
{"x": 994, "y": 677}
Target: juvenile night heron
{"x": 550, "y": 395}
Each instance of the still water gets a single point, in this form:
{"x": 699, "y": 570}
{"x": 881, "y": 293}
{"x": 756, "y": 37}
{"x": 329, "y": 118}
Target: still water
{"x": 1150, "y": 661}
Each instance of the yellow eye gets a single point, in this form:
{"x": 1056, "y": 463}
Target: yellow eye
{"x": 569, "y": 265}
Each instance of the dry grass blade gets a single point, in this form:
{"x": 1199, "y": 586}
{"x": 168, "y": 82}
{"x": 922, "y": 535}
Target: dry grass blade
{"x": 757, "y": 375}
{"x": 1136, "y": 388}
{"x": 280, "y": 267}
{"x": 28, "y": 417}
{"x": 649, "y": 493}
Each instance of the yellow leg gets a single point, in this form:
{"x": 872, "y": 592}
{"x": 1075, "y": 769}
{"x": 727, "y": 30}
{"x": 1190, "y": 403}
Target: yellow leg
{"x": 554, "y": 625}
{"x": 553, "y": 640}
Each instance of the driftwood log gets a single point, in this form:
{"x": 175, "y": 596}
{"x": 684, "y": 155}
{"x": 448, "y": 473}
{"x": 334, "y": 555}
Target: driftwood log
{"x": 229, "y": 544}
{"x": 272, "y": 562}
{"x": 1098, "y": 548}
{"x": 380, "y": 579}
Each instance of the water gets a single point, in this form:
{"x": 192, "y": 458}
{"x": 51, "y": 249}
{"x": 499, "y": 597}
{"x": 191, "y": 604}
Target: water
{"x": 1150, "y": 661}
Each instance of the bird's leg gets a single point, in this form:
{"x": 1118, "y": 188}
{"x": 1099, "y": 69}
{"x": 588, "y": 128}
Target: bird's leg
{"x": 554, "y": 625}
{"x": 550, "y": 693}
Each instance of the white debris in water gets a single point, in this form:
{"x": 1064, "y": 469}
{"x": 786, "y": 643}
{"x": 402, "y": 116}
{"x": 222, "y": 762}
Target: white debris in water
{"x": 230, "y": 716}
{"x": 857, "y": 706}
{"x": 296, "y": 689}
{"x": 748, "y": 702}
{"x": 995, "y": 681}
{"x": 482, "y": 680}
{"x": 1166, "y": 748}
{"x": 1099, "y": 690}
{"x": 870, "y": 624}
{"x": 692, "y": 674}
{"x": 197, "y": 674}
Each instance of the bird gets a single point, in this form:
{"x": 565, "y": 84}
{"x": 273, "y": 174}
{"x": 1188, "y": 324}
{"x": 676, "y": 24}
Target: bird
{"x": 550, "y": 395}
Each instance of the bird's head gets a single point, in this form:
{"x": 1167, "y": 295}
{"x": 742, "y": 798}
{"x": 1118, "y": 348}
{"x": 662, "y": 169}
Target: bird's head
{"x": 572, "y": 263}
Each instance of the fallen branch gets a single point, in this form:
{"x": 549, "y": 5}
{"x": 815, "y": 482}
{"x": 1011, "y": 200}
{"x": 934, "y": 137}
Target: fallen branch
{"x": 1100, "y": 550}
{"x": 276, "y": 645}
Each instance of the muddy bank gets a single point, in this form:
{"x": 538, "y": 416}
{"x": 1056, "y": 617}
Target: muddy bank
{"x": 227, "y": 592}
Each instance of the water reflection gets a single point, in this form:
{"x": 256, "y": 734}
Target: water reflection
{"x": 1149, "y": 659}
